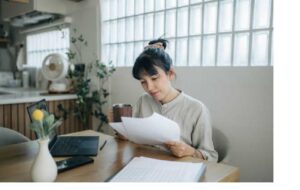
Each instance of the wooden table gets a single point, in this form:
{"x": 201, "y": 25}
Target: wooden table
{"x": 16, "y": 160}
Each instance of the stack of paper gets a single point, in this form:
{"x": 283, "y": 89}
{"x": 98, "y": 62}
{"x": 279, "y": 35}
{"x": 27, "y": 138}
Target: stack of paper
{"x": 153, "y": 130}
{"x": 142, "y": 169}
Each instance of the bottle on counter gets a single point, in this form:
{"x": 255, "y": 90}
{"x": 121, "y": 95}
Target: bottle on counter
{"x": 25, "y": 79}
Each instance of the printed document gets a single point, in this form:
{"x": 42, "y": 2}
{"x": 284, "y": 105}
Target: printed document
{"x": 153, "y": 130}
{"x": 143, "y": 169}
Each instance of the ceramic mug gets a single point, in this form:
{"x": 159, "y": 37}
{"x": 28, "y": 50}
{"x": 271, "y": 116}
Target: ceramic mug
{"x": 121, "y": 110}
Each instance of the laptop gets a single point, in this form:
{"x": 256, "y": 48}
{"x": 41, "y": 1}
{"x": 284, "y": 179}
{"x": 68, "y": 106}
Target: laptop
{"x": 61, "y": 146}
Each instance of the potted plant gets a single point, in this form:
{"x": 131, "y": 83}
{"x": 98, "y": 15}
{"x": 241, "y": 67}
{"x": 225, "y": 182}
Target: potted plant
{"x": 44, "y": 168}
{"x": 89, "y": 102}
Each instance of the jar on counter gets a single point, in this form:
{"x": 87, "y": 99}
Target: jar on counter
{"x": 25, "y": 79}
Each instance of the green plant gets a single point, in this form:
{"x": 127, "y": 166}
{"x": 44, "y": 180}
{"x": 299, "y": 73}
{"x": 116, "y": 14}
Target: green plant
{"x": 87, "y": 102}
{"x": 43, "y": 123}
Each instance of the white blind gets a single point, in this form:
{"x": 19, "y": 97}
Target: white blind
{"x": 200, "y": 32}
{"x": 39, "y": 45}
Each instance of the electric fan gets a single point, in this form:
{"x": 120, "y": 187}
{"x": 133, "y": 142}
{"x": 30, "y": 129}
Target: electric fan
{"x": 54, "y": 69}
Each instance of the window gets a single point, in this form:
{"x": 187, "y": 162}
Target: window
{"x": 200, "y": 32}
{"x": 39, "y": 45}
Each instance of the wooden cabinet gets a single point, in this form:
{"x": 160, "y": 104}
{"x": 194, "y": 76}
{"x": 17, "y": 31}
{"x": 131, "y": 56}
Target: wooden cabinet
{"x": 15, "y": 116}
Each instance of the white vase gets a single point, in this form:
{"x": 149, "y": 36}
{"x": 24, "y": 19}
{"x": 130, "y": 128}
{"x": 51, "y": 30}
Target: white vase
{"x": 44, "y": 168}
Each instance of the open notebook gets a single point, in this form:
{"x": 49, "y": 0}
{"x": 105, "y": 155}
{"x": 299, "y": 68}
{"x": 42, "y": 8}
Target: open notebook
{"x": 142, "y": 169}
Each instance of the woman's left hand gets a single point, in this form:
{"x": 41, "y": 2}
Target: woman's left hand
{"x": 180, "y": 149}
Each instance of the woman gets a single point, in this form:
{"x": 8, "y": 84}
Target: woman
{"x": 153, "y": 68}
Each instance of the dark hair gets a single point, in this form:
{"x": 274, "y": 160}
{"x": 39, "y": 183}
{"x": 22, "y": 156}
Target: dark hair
{"x": 150, "y": 57}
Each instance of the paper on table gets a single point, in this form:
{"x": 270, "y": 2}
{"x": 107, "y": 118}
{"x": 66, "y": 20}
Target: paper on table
{"x": 118, "y": 126}
{"x": 142, "y": 169}
{"x": 153, "y": 130}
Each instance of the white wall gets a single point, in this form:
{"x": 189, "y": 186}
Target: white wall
{"x": 241, "y": 104}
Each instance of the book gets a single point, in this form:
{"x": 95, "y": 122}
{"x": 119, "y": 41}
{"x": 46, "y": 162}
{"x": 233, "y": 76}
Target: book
{"x": 143, "y": 169}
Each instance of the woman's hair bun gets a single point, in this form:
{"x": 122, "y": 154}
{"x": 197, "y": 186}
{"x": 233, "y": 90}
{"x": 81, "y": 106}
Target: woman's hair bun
{"x": 159, "y": 40}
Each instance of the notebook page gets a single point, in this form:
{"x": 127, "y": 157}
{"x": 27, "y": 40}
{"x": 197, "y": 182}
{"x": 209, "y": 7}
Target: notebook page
{"x": 142, "y": 169}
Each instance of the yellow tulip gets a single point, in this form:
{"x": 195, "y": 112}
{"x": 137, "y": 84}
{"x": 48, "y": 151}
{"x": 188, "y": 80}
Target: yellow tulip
{"x": 37, "y": 115}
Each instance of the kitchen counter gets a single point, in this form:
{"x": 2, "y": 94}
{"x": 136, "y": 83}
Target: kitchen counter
{"x": 21, "y": 95}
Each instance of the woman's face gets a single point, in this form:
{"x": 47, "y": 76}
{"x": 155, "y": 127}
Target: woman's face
{"x": 158, "y": 86}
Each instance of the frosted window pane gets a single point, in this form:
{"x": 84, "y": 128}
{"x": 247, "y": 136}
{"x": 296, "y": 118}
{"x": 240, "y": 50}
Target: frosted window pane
{"x": 129, "y": 54}
{"x": 148, "y": 27}
{"x": 138, "y": 49}
{"x": 170, "y": 23}
{"x": 113, "y": 9}
{"x": 105, "y": 9}
{"x": 138, "y": 29}
{"x": 159, "y": 5}
{"x": 170, "y": 4}
{"x": 114, "y": 54}
{"x": 241, "y": 49}
{"x": 224, "y": 50}
{"x": 139, "y": 6}
{"x": 182, "y": 2}
{"x": 121, "y": 27}
{"x": 129, "y": 7}
{"x": 210, "y": 17}
{"x": 182, "y": 23}
{"x": 121, "y": 55}
{"x": 225, "y": 16}
{"x": 260, "y": 49}
{"x": 159, "y": 25}
{"x": 262, "y": 9}
{"x": 195, "y": 51}
{"x": 105, "y": 32}
{"x": 149, "y": 5}
{"x": 121, "y": 8}
{"x": 196, "y": 1}
{"x": 171, "y": 49}
{"x": 181, "y": 52}
{"x": 242, "y": 19}
{"x": 209, "y": 45}
{"x": 113, "y": 31}
{"x": 129, "y": 29}
{"x": 195, "y": 19}
{"x": 105, "y": 53}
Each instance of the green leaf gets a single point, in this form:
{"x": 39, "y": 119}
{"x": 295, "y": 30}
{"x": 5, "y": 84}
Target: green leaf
{"x": 49, "y": 120}
{"x": 36, "y": 126}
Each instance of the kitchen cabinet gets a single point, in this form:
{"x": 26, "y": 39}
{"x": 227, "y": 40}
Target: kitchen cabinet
{"x": 15, "y": 116}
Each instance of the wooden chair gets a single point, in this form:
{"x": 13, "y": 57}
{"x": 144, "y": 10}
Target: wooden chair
{"x": 221, "y": 144}
{"x": 9, "y": 136}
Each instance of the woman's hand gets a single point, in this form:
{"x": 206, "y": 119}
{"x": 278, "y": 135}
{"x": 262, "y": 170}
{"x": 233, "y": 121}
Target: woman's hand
{"x": 180, "y": 149}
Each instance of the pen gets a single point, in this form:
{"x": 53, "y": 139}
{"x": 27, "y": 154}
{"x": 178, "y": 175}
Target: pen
{"x": 103, "y": 145}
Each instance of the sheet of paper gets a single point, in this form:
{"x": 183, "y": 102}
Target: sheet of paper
{"x": 142, "y": 169}
{"x": 153, "y": 130}
{"x": 119, "y": 127}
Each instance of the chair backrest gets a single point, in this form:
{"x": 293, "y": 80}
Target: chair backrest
{"x": 221, "y": 144}
{"x": 9, "y": 136}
